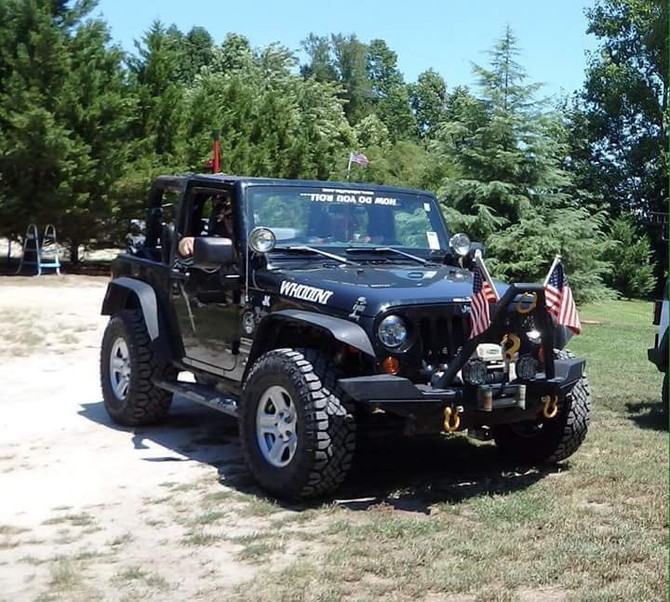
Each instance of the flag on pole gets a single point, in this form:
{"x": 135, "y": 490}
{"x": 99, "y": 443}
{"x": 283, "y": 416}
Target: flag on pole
{"x": 558, "y": 294}
{"x": 483, "y": 293}
{"x": 359, "y": 159}
{"x": 489, "y": 288}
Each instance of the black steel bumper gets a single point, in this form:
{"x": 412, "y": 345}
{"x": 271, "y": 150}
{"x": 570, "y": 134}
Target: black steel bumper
{"x": 520, "y": 399}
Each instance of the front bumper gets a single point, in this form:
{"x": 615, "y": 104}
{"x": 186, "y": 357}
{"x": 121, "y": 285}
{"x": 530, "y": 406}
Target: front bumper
{"x": 507, "y": 402}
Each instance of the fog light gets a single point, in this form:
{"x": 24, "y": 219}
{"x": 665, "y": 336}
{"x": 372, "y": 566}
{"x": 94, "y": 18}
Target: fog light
{"x": 391, "y": 365}
{"x": 526, "y": 367}
{"x": 474, "y": 372}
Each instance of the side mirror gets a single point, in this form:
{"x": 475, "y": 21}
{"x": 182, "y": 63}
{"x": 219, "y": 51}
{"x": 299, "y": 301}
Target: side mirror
{"x": 212, "y": 252}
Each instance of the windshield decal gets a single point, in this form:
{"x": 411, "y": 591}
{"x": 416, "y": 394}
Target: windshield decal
{"x": 385, "y": 200}
{"x": 355, "y": 197}
{"x": 304, "y": 292}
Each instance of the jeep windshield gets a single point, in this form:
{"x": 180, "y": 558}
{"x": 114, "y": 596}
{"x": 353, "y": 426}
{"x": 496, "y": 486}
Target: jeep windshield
{"x": 338, "y": 218}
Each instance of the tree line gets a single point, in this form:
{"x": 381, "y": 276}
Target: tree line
{"x": 85, "y": 126}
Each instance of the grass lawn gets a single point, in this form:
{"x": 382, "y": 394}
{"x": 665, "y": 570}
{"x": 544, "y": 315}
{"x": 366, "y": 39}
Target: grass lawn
{"x": 449, "y": 521}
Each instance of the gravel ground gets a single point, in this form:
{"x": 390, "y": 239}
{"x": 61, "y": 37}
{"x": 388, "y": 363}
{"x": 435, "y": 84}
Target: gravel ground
{"x": 90, "y": 510}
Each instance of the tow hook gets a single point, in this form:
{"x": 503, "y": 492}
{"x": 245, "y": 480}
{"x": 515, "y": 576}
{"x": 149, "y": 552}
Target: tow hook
{"x": 549, "y": 406}
{"x": 452, "y": 418}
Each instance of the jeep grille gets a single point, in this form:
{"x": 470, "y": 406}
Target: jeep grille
{"x": 442, "y": 331}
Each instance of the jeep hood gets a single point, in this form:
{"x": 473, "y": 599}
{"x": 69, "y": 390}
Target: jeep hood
{"x": 339, "y": 287}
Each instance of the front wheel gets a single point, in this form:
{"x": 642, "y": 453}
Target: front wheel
{"x": 296, "y": 430}
{"x": 549, "y": 440}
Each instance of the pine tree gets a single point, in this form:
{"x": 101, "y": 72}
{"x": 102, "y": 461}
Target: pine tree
{"x": 155, "y": 74}
{"x": 389, "y": 94}
{"x": 509, "y": 188}
{"x": 632, "y": 273}
{"x": 272, "y": 121}
{"x": 63, "y": 118}
{"x": 428, "y": 98}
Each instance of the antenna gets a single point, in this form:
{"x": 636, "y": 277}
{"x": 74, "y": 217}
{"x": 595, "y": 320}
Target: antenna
{"x": 216, "y": 152}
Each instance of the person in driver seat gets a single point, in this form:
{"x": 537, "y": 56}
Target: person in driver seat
{"x": 220, "y": 225}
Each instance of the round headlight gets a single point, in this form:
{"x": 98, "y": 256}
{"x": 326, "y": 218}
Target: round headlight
{"x": 262, "y": 240}
{"x": 460, "y": 243}
{"x": 392, "y": 331}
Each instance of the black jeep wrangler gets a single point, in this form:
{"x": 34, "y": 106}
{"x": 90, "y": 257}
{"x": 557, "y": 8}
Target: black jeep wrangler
{"x": 324, "y": 306}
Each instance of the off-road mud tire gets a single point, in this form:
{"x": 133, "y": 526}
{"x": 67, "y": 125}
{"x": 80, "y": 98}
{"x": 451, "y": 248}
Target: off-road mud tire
{"x": 664, "y": 400}
{"x": 144, "y": 403}
{"x": 550, "y": 440}
{"x": 325, "y": 428}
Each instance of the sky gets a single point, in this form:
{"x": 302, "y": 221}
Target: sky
{"x": 445, "y": 35}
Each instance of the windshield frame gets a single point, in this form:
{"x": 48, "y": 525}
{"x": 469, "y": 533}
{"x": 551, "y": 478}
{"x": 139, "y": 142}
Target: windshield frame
{"x": 359, "y": 197}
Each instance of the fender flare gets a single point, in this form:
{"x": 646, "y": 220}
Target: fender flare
{"x": 342, "y": 330}
{"x": 117, "y": 296}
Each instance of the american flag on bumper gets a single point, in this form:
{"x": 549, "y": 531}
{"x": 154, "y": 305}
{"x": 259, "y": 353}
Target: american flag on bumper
{"x": 483, "y": 294}
{"x": 560, "y": 302}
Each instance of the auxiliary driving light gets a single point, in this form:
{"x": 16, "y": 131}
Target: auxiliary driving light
{"x": 460, "y": 243}
{"x": 262, "y": 240}
{"x": 474, "y": 372}
{"x": 526, "y": 367}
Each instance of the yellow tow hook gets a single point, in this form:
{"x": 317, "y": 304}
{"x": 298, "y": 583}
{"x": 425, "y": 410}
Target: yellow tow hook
{"x": 549, "y": 406}
{"x": 452, "y": 419}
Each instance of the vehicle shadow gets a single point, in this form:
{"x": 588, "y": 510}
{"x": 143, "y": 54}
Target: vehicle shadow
{"x": 412, "y": 474}
{"x": 190, "y": 432}
{"x": 648, "y": 415}
{"x": 408, "y": 474}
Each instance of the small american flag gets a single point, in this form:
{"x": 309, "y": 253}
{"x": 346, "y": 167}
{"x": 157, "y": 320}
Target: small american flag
{"x": 359, "y": 158}
{"x": 560, "y": 303}
{"x": 482, "y": 295}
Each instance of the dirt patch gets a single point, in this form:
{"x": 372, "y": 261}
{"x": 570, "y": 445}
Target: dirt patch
{"x": 91, "y": 510}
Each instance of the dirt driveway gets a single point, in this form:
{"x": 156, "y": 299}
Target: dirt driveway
{"x": 90, "y": 510}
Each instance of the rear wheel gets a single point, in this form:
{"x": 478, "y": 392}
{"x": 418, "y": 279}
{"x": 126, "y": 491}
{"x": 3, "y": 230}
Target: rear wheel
{"x": 550, "y": 440}
{"x": 296, "y": 430}
{"x": 127, "y": 369}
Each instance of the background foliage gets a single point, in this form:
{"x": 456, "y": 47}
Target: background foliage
{"x": 84, "y": 127}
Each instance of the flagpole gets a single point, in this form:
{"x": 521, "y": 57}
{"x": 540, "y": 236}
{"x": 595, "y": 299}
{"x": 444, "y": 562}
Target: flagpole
{"x": 482, "y": 266}
{"x": 551, "y": 269}
{"x": 349, "y": 166}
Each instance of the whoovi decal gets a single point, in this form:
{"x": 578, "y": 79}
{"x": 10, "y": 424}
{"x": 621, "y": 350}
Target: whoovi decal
{"x": 304, "y": 292}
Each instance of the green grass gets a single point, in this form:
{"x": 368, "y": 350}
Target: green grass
{"x": 595, "y": 529}
{"x": 199, "y": 537}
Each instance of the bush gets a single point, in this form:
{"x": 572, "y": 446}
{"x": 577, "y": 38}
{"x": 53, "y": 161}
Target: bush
{"x": 632, "y": 273}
